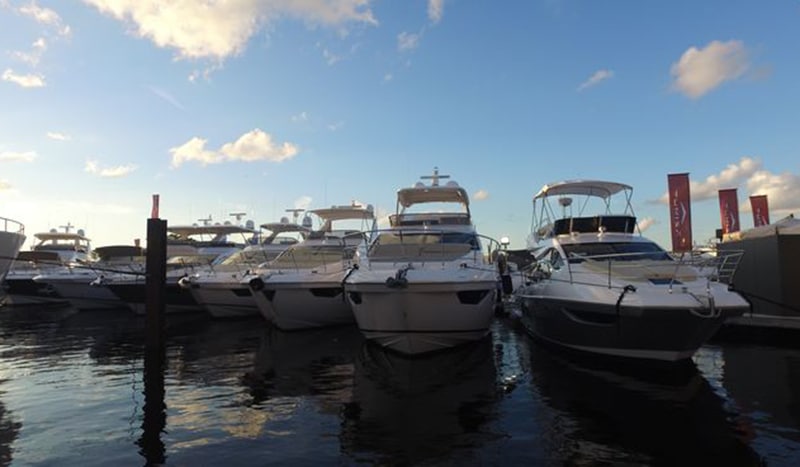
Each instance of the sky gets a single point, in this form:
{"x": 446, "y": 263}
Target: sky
{"x": 258, "y": 106}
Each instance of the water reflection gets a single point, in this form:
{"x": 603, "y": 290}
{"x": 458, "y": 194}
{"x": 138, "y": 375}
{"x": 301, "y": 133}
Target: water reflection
{"x": 313, "y": 362}
{"x": 9, "y": 430}
{"x": 423, "y": 409}
{"x": 762, "y": 383}
{"x": 614, "y": 413}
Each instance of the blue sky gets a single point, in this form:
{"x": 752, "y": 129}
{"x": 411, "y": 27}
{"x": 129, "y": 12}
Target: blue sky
{"x": 260, "y": 106}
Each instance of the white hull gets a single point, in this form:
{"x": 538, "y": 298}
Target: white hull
{"x": 10, "y": 243}
{"x": 225, "y": 299}
{"x": 423, "y": 316}
{"x": 85, "y": 296}
{"x": 304, "y": 301}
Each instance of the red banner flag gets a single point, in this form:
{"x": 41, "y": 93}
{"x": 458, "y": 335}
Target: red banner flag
{"x": 760, "y": 210}
{"x": 680, "y": 213}
{"x": 729, "y": 210}
{"x": 154, "y": 210}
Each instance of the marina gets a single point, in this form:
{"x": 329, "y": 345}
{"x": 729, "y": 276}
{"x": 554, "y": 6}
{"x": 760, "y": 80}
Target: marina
{"x": 72, "y": 392}
{"x": 422, "y": 344}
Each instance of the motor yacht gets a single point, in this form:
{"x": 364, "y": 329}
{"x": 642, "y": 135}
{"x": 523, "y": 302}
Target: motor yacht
{"x": 189, "y": 249}
{"x": 302, "y": 287}
{"x": 219, "y": 288}
{"x": 12, "y": 237}
{"x": 51, "y": 251}
{"x": 425, "y": 283}
{"x": 598, "y": 285}
{"x": 82, "y": 283}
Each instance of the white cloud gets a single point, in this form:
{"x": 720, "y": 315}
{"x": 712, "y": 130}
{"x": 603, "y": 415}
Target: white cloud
{"x": 303, "y": 202}
{"x": 58, "y": 136}
{"x": 194, "y": 150}
{"x": 388, "y": 77}
{"x": 646, "y": 223}
{"x": 782, "y": 190}
{"x": 11, "y": 156}
{"x": 336, "y": 126}
{"x": 218, "y": 30}
{"x": 699, "y": 71}
{"x": 255, "y": 145}
{"x": 119, "y": 171}
{"x": 731, "y": 176}
{"x": 435, "y": 10}
{"x": 330, "y": 57}
{"x": 26, "y": 81}
{"x": 33, "y": 57}
{"x": 407, "y": 41}
{"x": 301, "y": 117}
{"x": 5, "y": 186}
{"x": 45, "y": 16}
{"x": 480, "y": 195}
{"x": 597, "y": 77}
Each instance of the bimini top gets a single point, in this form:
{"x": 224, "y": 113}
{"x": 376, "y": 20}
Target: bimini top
{"x": 433, "y": 193}
{"x": 352, "y": 211}
{"x": 597, "y": 188}
{"x": 217, "y": 230}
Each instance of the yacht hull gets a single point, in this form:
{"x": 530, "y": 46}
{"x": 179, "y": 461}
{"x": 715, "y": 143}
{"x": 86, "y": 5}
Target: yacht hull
{"x": 658, "y": 332}
{"x": 423, "y": 317}
{"x": 133, "y": 294}
{"x": 83, "y": 295}
{"x": 24, "y": 291}
{"x": 223, "y": 300}
{"x": 10, "y": 244}
{"x": 303, "y": 305}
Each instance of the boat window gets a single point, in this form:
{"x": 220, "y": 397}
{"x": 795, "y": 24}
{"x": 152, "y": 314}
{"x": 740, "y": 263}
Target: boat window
{"x": 620, "y": 251}
{"x": 306, "y": 257}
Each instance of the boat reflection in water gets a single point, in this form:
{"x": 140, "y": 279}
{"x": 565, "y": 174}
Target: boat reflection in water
{"x": 612, "y": 413}
{"x": 426, "y": 409}
{"x": 311, "y": 362}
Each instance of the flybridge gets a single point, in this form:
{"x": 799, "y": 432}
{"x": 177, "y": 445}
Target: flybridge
{"x": 450, "y": 192}
{"x": 548, "y": 222}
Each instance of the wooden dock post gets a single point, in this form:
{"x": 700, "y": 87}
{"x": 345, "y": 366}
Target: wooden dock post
{"x": 155, "y": 415}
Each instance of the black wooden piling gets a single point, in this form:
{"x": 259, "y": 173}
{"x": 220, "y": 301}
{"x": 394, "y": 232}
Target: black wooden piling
{"x": 155, "y": 280}
{"x": 155, "y": 415}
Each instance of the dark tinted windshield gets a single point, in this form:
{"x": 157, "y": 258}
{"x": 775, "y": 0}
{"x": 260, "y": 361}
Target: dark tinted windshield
{"x": 624, "y": 251}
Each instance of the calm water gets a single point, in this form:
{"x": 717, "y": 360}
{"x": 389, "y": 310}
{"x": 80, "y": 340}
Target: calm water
{"x": 72, "y": 392}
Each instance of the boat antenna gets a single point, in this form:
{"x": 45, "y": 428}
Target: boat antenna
{"x": 238, "y": 216}
{"x": 295, "y": 213}
{"x": 565, "y": 202}
{"x": 206, "y": 221}
{"x": 67, "y": 227}
{"x": 435, "y": 177}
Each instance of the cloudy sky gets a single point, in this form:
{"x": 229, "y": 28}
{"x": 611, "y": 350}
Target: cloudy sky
{"x": 263, "y": 105}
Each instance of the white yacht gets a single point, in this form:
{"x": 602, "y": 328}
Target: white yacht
{"x": 219, "y": 288}
{"x": 189, "y": 249}
{"x": 81, "y": 283}
{"x": 425, "y": 283}
{"x": 598, "y": 286}
{"x": 302, "y": 287}
{"x": 51, "y": 251}
{"x": 12, "y": 237}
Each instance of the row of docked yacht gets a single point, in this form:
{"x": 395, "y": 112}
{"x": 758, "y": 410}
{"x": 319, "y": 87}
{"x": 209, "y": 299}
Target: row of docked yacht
{"x": 430, "y": 267}
{"x": 589, "y": 281}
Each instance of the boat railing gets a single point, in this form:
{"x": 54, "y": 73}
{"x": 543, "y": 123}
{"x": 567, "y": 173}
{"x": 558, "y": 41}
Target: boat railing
{"x": 658, "y": 268}
{"x": 440, "y": 245}
{"x": 330, "y": 253}
{"x": 10, "y": 225}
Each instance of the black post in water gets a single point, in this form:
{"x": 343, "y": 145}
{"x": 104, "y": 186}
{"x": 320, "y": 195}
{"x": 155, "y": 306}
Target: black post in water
{"x": 155, "y": 415}
{"x": 155, "y": 280}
